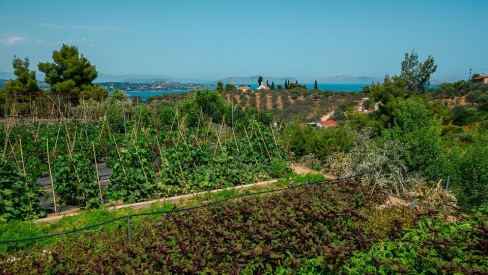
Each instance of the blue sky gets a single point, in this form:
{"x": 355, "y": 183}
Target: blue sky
{"x": 210, "y": 39}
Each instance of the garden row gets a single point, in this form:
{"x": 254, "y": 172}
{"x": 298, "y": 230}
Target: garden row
{"x": 328, "y": 228}
{"x": 185, "y": 160}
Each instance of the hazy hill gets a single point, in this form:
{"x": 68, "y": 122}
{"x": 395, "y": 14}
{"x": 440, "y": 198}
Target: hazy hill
{"x": 348, "y": 79}
{"x": 254, "y": 80}
{"x": 143, "y": 78}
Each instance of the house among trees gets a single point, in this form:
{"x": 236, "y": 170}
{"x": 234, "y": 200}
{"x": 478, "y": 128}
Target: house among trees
{"x": 243, "y": 88}
{"x": 481, "y": 79}
{"x": 263, "y": 87}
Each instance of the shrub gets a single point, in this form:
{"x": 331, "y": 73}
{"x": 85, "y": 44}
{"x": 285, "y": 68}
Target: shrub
{"x": 470, "y": 174}
{"x": 277, "y": 168}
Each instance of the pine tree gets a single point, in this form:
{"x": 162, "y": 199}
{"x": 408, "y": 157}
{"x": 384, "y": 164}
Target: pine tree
{"x": 315, "y": 86}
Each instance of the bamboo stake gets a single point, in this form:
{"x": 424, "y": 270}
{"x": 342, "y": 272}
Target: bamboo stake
{"x": 177, "y": 125}
{"x": 117, "y": 149}
{"x": 98, "y": 175}
{"x": 252, "y": 131}
{"x": 140, "y": 162}
{"x": 264, "y": 142}
{"x": 23, "y": 167}
{"x": 234, "y": 127}
{"x": 12, "y": 152}
{"x": 218, "y": 141}
{"x": 250, "y": 146}
{"x": 57, "y": 137}
{"x": 7, "y": 138}
{"x": 51, "y": 175}
{"x": 276, "y": 143}
{"x": 123, "y": 113}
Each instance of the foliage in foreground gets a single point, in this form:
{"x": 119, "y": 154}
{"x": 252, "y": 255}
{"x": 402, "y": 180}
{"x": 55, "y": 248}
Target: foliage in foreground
{"x": 254, "y": 234}
{"x": 337, "y": 229}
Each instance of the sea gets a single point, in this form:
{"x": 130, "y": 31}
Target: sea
{"x": 323, "y": 87}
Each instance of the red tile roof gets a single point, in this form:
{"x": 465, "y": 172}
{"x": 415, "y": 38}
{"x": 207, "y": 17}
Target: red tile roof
{"x": 480, "y": 77}
{"x": 328, "y": 123}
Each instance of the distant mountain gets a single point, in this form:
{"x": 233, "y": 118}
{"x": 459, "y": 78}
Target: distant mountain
{"x": 253, "y": 80}
{"x": 348, "y": 79}
{"x": 143, "y": 78}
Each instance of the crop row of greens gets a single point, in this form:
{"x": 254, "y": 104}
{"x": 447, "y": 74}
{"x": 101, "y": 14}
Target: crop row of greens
{"x": 328, "y": 228}
{"x": 147, "y": 161}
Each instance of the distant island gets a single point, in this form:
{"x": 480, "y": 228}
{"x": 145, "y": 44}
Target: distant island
{"x": 154, "y": 86}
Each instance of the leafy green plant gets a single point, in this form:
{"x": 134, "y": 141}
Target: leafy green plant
{"x": 432, "y": 246}
{"x": 277, "y": 168}
{"x": 133, "y": 178}
{"x": 75, "y": 181}
{"x": 18, "y": 194}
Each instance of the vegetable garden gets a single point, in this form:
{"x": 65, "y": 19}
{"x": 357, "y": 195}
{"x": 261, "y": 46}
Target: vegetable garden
{"x": 93, "y": 154}
{"x": 149, "y": 154}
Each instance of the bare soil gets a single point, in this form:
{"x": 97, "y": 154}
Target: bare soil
{"x": 269, "y": 103}
{"x": 280, "y": 102}
{"x": 258, "y": 101}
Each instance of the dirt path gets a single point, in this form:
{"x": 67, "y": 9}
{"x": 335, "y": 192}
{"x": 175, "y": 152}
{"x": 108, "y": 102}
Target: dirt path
{"x": 327, "y": 116}
{"x": 301, "y": 170}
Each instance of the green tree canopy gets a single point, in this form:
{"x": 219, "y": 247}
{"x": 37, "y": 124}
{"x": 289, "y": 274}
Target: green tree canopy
{"x": 220, "y": 86}
{"x": 260, "y": 79}
{"x": 71, "y": 73}
{"x": 472, "y": 97}
{"x": 418, "y": 127}
{"x": 296, "y": 85}
{"x": 416, "y": 73}
{"x": 208, "y": 104}
{"x": 26, "y": 82}
{"x": 230, "y": 87}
